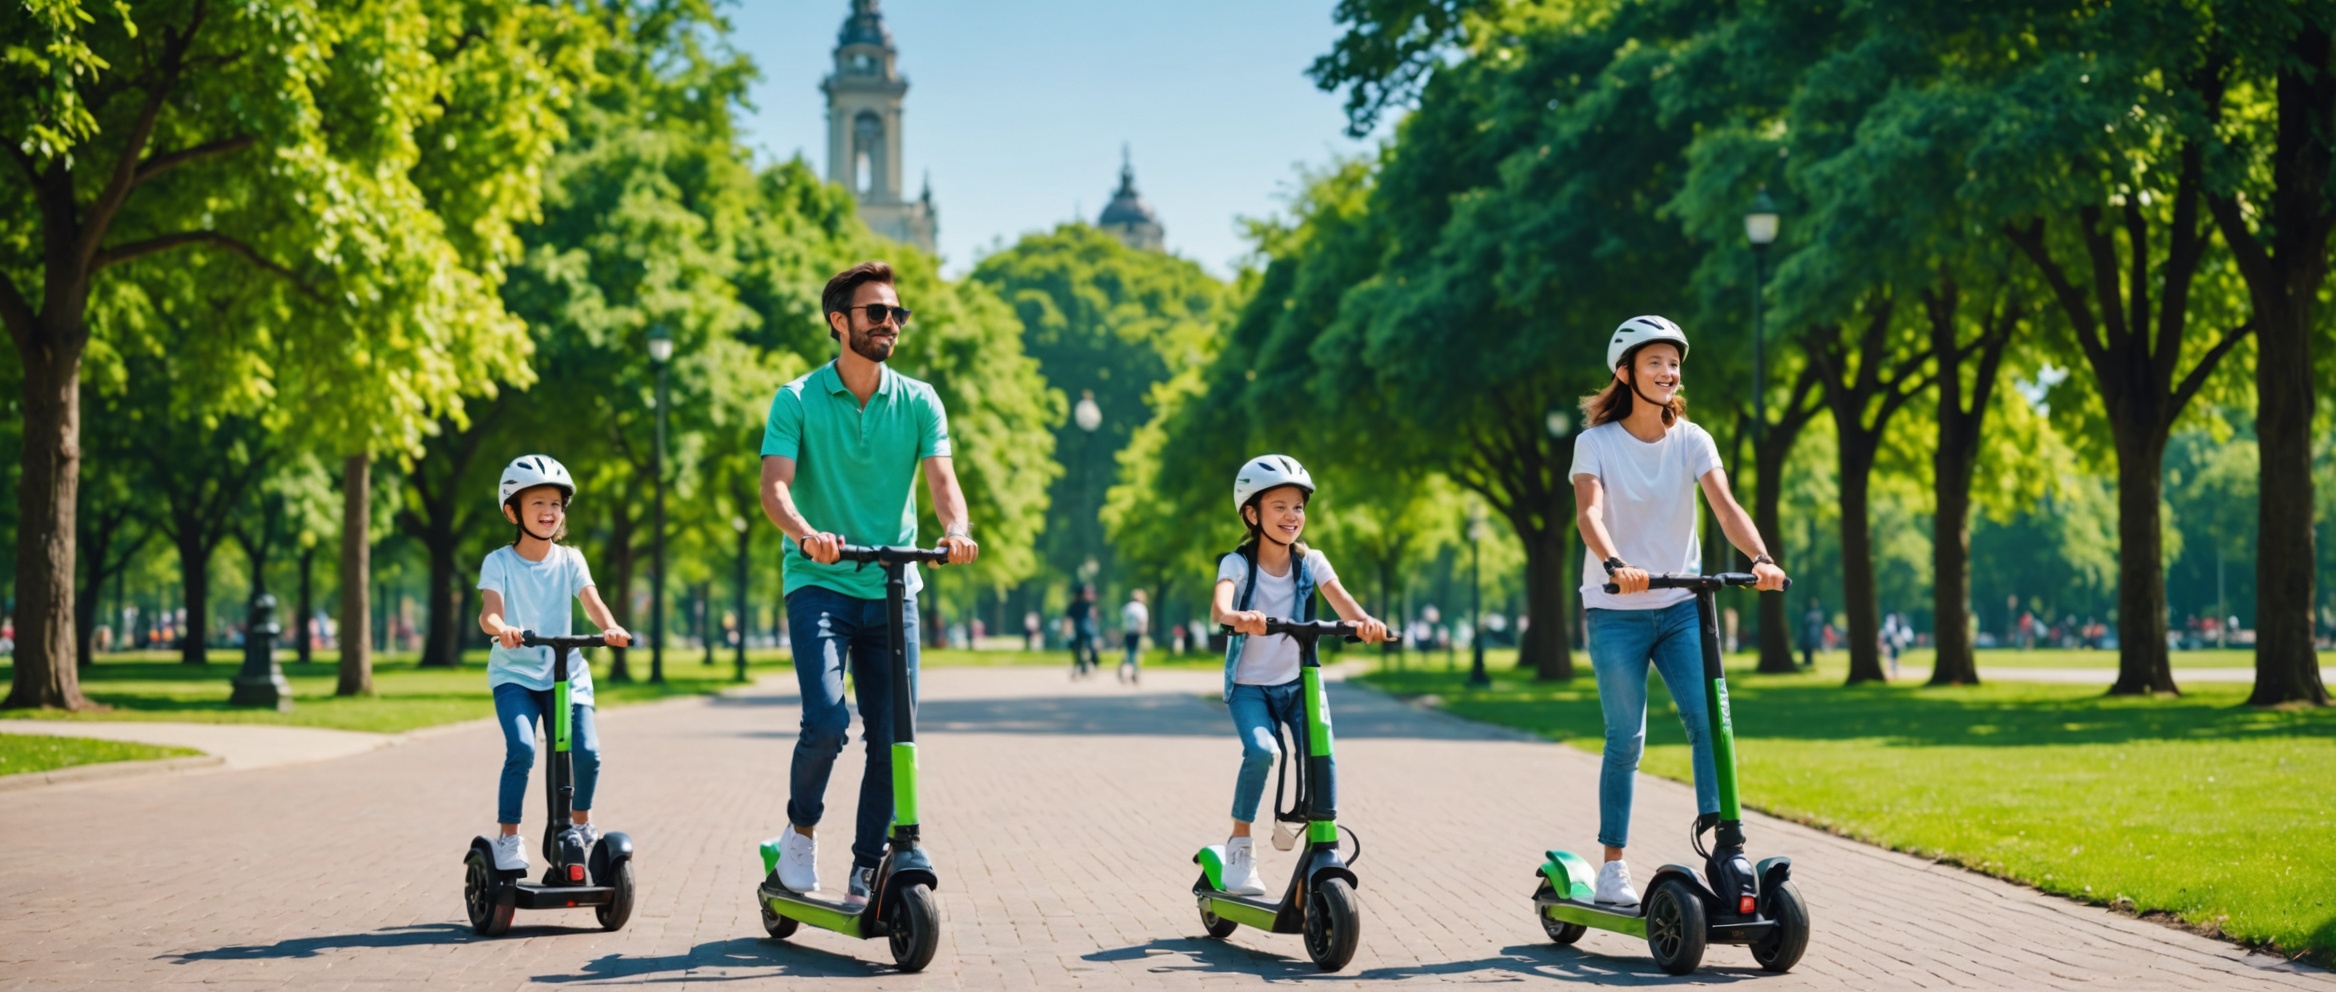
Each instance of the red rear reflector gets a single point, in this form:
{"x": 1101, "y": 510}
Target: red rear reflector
{"x": 576, "y": 874}
{"x": 1744, "y": 906}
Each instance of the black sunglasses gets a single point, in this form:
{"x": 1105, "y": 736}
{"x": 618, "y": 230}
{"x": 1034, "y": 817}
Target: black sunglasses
{"x": 877, "y": 312}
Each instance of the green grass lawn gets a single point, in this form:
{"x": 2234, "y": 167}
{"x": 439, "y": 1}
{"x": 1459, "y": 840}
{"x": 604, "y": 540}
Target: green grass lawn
{"x": 23, "y": 753}
{"x": 157, "y": 686}
{"x": 2197, "y": 806}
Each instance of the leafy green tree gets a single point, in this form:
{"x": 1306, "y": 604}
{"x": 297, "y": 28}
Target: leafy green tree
{"x": 282, "y": 137}
{"x": 1107, "y": 321}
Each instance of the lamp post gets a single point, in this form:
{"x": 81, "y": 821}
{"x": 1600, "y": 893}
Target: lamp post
{"x": 1089, "y": 416}
{"x": 1477, "y": 679}
{"x": 1760, "y": 229}
{"x": 745, "y": 544}
{"x": 660, "y": 354}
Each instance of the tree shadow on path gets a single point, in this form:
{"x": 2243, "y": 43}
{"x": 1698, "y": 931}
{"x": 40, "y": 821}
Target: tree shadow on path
{"x": 309, "y": 947}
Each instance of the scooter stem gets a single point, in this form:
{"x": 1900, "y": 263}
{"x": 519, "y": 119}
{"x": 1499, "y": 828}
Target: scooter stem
{"x": 1723, "y": 734}
{"x": 904, "y": 713}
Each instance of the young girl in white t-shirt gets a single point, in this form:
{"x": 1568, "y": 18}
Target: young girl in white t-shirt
{"x": 1636, "y": 471}
{"x": 1262, "y": 686}
{"x": 526, "y": 586}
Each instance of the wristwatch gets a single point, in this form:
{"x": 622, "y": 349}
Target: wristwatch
{"x": 1763, "y": 560}
{"x": 1615, "y": 563}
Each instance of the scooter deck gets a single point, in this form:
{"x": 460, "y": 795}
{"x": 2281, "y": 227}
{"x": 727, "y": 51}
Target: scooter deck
{"x": 528, "y": 895}
{"x": 806, "y": 908}
{"x": 1629, "y": 920}
{"x": 1255, "y": 912}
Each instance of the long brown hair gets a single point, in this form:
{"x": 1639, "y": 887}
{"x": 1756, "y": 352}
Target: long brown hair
{"x": 1616, "y": 400}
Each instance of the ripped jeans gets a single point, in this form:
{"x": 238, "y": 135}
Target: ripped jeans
{"x": 826, "y": 628}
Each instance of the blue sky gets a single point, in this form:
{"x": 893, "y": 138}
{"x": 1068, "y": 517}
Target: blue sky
{"x": 1018, "y": 108}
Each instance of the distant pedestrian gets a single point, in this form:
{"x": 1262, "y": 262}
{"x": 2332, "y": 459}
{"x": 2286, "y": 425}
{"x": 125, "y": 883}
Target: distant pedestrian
{"x": 1030, "y": 627}
{"x": 1134, "y": 619}
{"x": 1812, "y": 632}
{"x": 1080, "y": 618}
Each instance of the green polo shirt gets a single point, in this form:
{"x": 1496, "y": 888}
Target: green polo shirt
{"x": 855, "y": 468}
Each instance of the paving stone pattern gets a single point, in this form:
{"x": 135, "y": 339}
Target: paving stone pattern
{"x": 1063, "y": 818}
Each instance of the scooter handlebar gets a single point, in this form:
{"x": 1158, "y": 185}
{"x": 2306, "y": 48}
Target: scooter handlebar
{"x": 1313, "y": 628}
{"x": 870, "y": 554}
{"x": 1699, "y": 583}
{"x": 530, "y": 639}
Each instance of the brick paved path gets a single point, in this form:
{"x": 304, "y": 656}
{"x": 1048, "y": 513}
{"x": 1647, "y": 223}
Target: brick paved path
{"x": 1062, "y": 818}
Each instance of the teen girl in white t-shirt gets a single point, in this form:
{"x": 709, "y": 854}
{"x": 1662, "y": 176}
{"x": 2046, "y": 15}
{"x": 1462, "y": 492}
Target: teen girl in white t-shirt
{"x": 1636, "y": 471}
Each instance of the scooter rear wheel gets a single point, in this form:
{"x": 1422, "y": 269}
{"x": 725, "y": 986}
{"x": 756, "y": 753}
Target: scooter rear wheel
{"x": 1333, "y": 924}
{"x": 779, "y": 927}
{"x": 1676, "y": 927}
{"x": 915, "y": 928}
{"x": 1216, "y": 926}
{"x": 1559, "y": 931}
{"x": 482, "y": 896}
{"x": 619, "y": 906}
{"x": 1782, "y": 948}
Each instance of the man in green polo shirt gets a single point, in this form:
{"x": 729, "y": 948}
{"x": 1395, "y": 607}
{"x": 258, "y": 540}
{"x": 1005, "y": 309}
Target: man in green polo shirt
{"x": 840, "y": 457}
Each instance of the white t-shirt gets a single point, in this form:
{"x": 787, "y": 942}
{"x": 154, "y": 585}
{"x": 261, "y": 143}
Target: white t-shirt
{"x": 1273, "y": 659}
{"x": 1134, "y": 618}
{"x": 1650, "y": 507}
{"x": 535, "y": 597}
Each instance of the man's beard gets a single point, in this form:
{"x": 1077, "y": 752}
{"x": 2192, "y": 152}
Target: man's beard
{"x": 865, "y": 345}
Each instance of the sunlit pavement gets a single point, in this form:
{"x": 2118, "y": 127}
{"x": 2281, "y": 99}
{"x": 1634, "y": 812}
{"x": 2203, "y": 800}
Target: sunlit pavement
{"x": 1063, "y": 817}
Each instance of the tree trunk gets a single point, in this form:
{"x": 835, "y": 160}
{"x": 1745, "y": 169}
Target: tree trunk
{"x": 2287, "y": 668}
{"x": 1857, "y": 565}
{"x": 2284, "y": 278}
{"x": 85, "y": 599}
{"x": 194, "y": 577}
{"x": 303, "y": 638}
{"x": 45, "y": 674}
{"x": 1543, "y": 645}
{"x": 1776, "y": 648}
{"x": 356, "y": 576}
{"x": 619, "y": 595}
{"x": 1950, "y": 558}
{"x": 2142, "y": 664}
{"x": 441, "y": 649}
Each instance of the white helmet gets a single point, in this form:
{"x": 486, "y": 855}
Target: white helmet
{"x": 1266, "y": 472}
{"x": 1643, "y": 331}
{"x": 530, "y": 471}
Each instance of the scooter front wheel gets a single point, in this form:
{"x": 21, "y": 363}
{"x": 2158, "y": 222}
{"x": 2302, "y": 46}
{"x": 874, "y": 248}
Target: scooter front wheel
{"x": 915, "y": 928}
{"x": 482, "y": 896}
{"x": 1334, "y": 924}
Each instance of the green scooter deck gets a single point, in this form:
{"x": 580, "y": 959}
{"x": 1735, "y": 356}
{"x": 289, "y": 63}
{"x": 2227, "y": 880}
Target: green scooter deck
{"x": 1597, "y": 917}
{"x": 821, "y": 913}
{"x": 1255, "y": 912}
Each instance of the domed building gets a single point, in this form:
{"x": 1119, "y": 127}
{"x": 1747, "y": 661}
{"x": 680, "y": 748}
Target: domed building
{"x": 1128, "y": 217}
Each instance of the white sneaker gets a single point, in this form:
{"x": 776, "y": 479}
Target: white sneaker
{"x": 1614, "y": 885}
{"x": 798, "y": 861}
{"x": 1241, "y": 868}
{"x": 510, "y": 853}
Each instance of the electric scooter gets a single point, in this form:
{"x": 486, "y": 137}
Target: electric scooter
{"x": 901, "y": 906}
{"x": 1320, "y": 899}
{"x": 601, "y": 878}
{"x": 1681, "y": 914}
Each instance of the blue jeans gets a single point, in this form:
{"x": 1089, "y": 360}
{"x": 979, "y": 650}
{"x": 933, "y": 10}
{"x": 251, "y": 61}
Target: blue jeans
{"x": 517, "y": 710}
{"x": 1135, "y": 650}
{"x": 1257, "y": 712}
{"x": 1621, "y": 644}
{"x": 826, "y": 628}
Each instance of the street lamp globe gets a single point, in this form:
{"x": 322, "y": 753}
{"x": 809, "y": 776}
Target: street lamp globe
{"x": 660, "y": 344}
{"x": 1760, "y": 219}
{"x": 1086, "y": 414}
